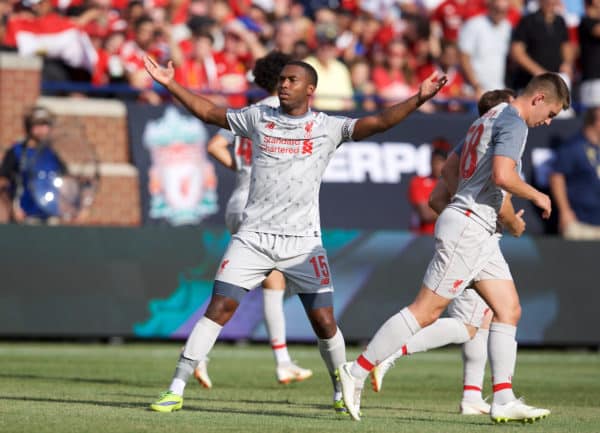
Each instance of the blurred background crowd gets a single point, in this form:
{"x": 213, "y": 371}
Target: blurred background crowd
{"x": 368, "y": 53}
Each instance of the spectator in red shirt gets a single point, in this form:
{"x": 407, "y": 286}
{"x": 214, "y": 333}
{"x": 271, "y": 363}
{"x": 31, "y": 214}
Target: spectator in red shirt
{"x": 394, "y": 80}
{"x": 199, "y": 71}
{"x": 109, "y": 68}
{"x": 107, "y": 33}
{"x": 448, "y": 64}
{"x": 196, "y": 69}
{"x": 420, "y": 188}
{"x": 132, "y": 54}
{"x": 134, "y": 10}
{"x": 231, "y": 66}
{"x": 241, "y": 47}
{"x": 448, "y": 17}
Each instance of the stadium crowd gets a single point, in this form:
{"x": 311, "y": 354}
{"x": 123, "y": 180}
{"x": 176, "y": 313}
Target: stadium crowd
{"x": 368, "y": 54}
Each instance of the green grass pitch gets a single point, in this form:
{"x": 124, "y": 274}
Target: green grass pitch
{"x": 107, "y": 388}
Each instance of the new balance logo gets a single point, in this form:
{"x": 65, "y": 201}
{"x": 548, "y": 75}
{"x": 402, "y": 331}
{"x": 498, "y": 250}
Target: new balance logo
{"x": 270, "y": 125}
{"x": 307, "y": 147}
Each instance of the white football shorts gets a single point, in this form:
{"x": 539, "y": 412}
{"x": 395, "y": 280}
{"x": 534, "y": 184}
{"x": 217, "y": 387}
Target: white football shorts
{"x": 465, "y": 251}
{"x": 469, "y": 308}
{"x": 250, "y": 256}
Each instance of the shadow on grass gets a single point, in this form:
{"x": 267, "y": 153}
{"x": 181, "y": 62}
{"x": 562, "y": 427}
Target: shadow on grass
{"x": 207, "y": 397}
{"x": 328, "y": 414}
{"x": 124, "y": 405}
{"x": 134, "y": 405}
{"x": 212, "y": 399}
{"x": 76, "y": 380}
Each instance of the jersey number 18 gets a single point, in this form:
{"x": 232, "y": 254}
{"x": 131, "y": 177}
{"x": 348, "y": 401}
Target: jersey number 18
{"x": 468, "y": 157}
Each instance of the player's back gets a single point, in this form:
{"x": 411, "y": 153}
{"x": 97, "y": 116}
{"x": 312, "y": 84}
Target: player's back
{"x": 499, "y": 132}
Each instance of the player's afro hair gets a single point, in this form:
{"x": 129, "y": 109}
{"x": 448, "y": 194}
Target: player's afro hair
{"x": 267, "y": 69}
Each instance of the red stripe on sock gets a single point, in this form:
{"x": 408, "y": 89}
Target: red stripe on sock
{"x": 365, "y": 363}
{"x": 471, "y": 388}
{"x": 501, "y": 386}
{"x": 279, "y": 346}
{"x": 404, "y": 350}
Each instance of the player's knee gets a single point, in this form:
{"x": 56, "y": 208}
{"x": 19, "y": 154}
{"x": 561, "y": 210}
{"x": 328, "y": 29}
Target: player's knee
{"x": 425, "y": 315}
{"x": 511, "y": 314}
{"x": 323, "y": 323}
{"x": 427, "y": 318}
{"x": 221, "y": 308}
{"x": 433, "y": 316}
{"x": 326, "y": 328}
{"x": 516, "y": 315}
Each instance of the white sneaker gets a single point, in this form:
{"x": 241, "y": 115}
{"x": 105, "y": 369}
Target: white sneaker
{"x": 201, "y": 374}
{"x": 517, "y": 410}
{"x": 291, "y": 372}
{"x": 378, "y": 372}
{"x": 477, "y": 407}
{"x": 351, "y": 390}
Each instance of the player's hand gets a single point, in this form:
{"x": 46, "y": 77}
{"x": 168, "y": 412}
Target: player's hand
{"x": 543, "y": 202}
{"x": 517, "y": 226}
{"x": 430, "y": 86}
{"x": 160, "y": 74}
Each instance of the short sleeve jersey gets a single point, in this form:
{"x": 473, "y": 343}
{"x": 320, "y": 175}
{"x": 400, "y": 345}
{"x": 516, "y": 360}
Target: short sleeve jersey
{"x": 242, "y": 154}
{"x": 499, "y": 132}
{"x": 289, "y": 156}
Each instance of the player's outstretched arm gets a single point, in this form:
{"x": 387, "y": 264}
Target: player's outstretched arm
{"x": 506, "y": 177}
{"x": 201, "y": 107}
{"x": 391, "y": 116}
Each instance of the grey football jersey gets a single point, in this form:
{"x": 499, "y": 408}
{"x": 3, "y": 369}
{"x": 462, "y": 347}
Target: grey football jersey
{"x": 242, "y": 153}
{"x": 498, "y": 132}
{"x": 289, "y": 156}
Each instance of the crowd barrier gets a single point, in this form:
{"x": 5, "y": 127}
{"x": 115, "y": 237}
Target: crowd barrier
{"x": 155, "y": 282}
